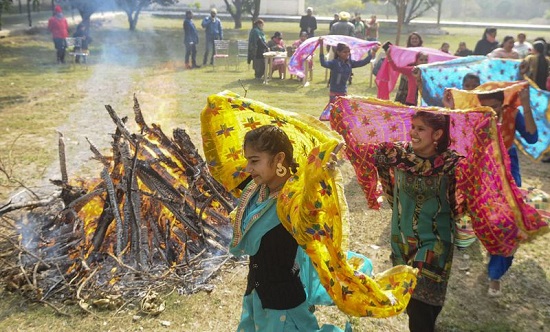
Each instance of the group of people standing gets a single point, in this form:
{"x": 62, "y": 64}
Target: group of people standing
{"x": 419, "y": 177}
{"x": 213, "y": 31}
{"x": 59, "y": 28}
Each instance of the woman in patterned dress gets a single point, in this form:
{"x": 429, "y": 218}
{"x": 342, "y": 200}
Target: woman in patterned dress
{"x": 418, "y": 178}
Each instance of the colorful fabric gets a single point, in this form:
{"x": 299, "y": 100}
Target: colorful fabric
{"x": 311, "y": 205}
{"x": 357, "y": 46}
{"x": 402, "y": 57}
{"x": 500, "y": 217}
{"x": 422, "y": 195}
{"x": 255, "y": 318}
{"x": 325, "y": 116}
{"x": 540, "y": 107}
{"x": 436, "y": 77}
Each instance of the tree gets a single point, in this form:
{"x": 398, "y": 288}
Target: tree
{"x": 237, "y": 7}
{"x": 133, "y": 8}
{"x": 416, "y": 8}
{"x": 4, "y": 5}
{"x": 86, "y": 8}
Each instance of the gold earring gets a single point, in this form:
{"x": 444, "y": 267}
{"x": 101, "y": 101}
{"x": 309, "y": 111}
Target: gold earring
{"x": 281, "y": 170}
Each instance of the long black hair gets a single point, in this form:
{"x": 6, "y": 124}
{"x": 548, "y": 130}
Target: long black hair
{"x": 542, "y": 64}
{"x": 436, "y": 121}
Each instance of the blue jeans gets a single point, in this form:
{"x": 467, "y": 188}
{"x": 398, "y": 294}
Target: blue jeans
{"x": 209, "y": 49}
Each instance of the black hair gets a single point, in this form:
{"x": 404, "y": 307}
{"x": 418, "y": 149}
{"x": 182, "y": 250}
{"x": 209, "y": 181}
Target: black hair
{"x": 421, "y": 42}
{"x": 498, "y": 95}
{"x": 271, "y": 139}
{"x": 471, "y": 76}
{"x": 507, "y": 38}
{"x": 542, "y": 64}
{"x": 488, "y": 30}
{"x": 436, "y": 121}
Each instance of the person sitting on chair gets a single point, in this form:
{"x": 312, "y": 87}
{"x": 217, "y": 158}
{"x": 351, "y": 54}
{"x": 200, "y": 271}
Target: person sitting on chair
{"x": 82, "y": 32}
{"x": 277, "y": 44}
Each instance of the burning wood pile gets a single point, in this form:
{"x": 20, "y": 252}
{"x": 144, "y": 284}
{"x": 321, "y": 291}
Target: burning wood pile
{"x": 155, "y": 217}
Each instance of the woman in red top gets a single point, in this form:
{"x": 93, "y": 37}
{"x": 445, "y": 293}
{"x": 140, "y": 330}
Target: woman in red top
{"x": 412, "y": 74}
{"x": 57, "y": 24}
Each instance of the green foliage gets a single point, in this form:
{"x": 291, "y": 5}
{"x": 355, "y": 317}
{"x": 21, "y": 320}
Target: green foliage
{"x": 6, "y": 4}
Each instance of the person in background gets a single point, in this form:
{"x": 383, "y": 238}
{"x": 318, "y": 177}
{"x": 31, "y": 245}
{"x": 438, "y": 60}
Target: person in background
{"x": 58, "y": 26}
{"x": 213, "y": 31}
{"x": 359, "y": 26}
{"x": 463, "y": 50}
{"x": 445, "y": 47}
{"x": 343, "y": 27}
{"x": 82, "y": 32}
{"x": 487, "y": 43}
{"x": 525, "y": 125}
{"x": 257, "y": 46}
{"x": 191, "y": 40}
{"x": 277, "y": 44}
{"x": 340, "y": 71}
{"x": 308, "y": 23}
{"x": 303, "y": 38}
{"x": 372, "y": 29}
{"x": 414, "y": 40}
{"x": 335, "y": 19}
{"x": 470, "y": 81}
{"x": 412, "y": 74}
{"x": 536, "y": 65}
{"x": 506, "y": 50}
{"x": 275, "y": 298}
{"x": 521, "y": 46}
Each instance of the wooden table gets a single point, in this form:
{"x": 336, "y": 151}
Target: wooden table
{"x": 268, "y": 58}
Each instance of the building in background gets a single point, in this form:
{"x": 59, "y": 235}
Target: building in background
{"x": 267, "y": 7}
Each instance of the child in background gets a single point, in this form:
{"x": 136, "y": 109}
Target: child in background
{"x": 470, "y": 81}
{"x": 463, "y": 50}
{"x": 414, "y": 40}
{"x": 445, "y": 48}
{"x": 412, "y": 75}
{"x": 525, "y": 125}
{"x": 340, "y": 71}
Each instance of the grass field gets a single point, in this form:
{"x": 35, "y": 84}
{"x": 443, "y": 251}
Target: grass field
{"x": 39, "y": 98}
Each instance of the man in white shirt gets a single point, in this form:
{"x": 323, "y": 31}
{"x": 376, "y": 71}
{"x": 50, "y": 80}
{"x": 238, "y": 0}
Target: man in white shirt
{"x": 521, "y": 46}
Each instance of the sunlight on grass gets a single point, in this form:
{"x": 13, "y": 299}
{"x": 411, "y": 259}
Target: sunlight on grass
{"x": 39, "y": 97}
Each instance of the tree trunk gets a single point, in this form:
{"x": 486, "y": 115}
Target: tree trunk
{"x": 1, "y": 10}
{"x": 439, "y": 11}
{"x": 21, "y": 7}
{"x": 256, "y": 12}
{"x": 235, "y": 11}
{"x": 402, "y": 6}
{"x": 29, "y": 12}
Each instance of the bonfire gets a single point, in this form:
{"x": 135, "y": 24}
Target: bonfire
{"x": 153, "y": 218}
